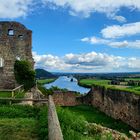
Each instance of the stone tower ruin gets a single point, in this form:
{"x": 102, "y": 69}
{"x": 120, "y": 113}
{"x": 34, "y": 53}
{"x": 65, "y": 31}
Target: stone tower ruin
{"x": 15, "y": 44}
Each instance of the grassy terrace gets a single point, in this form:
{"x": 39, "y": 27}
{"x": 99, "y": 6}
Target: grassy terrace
{"x": 104, "y": 83}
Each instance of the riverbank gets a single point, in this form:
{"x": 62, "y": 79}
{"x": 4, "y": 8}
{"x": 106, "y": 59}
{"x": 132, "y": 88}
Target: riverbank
{"x": 64, "y": 82}
{"x": 46, "y": 81}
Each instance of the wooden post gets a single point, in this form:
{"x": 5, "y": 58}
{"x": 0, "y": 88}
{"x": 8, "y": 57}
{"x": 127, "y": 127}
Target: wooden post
{"x": 12, "y": 94}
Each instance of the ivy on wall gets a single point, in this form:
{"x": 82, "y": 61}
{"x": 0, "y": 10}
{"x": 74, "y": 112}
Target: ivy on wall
{"x": 24, "y": 74}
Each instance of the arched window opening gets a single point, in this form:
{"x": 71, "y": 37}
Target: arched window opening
{"x": 1, "y": 62}
{"x": 10, "y": 32}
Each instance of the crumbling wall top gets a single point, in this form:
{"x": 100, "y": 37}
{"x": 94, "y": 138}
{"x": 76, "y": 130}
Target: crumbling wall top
{"x": 13, "y": 24}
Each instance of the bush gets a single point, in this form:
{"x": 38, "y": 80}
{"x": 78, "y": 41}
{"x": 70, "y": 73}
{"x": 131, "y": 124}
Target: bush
{"x": 24, "y": 74}
{"x": 45, "y": 91}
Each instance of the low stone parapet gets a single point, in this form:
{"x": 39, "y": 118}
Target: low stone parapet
{"x": 54, "y": 129}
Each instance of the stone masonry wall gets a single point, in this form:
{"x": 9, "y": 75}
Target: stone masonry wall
{"x": 117, "y": 104}
{"x": 15, "y": 43}
{"x": 65, "y": 98}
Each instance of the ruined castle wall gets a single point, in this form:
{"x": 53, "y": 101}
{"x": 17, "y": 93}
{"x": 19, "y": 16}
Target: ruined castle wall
{"x": 117, "y": 104}
{"x": 15, "y": 43}
{"x": 121, "y": 105}
{"x": 65, "y": 98}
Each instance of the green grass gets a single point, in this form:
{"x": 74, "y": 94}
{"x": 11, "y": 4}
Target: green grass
{"x": 45, "y": 81}
{"x": 134, "y": 79}
{"x": 30, "y": 123}
{"x": 104, "y": 83}
{"x": 93, "y": 115}
{"x": 74, "y": 126}
{"x": 18, "y": 129}
{"x": 23, "y": 122}
{"x": 17, "y": 111}
{"x": 91, "y": 82}
{"x": 6, "y": 94}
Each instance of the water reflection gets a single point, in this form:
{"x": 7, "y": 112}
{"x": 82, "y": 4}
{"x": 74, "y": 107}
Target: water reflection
{"x": 69, "y": 83}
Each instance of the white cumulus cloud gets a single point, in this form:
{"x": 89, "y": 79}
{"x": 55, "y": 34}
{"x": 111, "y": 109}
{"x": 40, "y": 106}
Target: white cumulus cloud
{"x": 117, "y": 44}
{"x": 86, "y": 7}
{"x": 15, "y": 8}
{"x": 117, "y": 31}
{"x": 119, "y": 18}
{"x": 87, "y": 62}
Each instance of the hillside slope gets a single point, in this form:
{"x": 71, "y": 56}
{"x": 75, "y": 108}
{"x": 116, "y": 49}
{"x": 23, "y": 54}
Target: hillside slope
{"x": 43, "y": 74}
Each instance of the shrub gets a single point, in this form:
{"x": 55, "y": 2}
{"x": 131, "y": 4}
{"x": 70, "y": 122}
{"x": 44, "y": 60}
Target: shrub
{"x": 24, "y": 74}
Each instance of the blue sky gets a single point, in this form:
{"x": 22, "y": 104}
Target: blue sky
{"x": 80, "y": 36}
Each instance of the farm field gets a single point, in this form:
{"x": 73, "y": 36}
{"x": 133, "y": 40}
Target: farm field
{"x": 90, "y": 82}
{"x": 105, "y": 83}
{"x": 135, "y": 79}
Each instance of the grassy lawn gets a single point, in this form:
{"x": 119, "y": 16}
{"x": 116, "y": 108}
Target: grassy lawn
{"x": 9, "y": 95}
{"x": 45, "y": 81}
{"x": 18, "y": 129}
{"x": 5, "y": 94}
{"x": 23, "y": 123}
{"x": 93, "y": 115}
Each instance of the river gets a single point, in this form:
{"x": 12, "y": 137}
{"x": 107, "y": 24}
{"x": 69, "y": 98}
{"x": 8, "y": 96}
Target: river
{"x": 66, "y": 82}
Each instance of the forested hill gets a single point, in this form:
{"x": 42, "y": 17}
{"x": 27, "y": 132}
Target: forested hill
{"x": 43, "y": 74}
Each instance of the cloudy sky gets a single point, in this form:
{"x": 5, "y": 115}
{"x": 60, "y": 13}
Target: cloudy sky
{"x": 80, "y": 35}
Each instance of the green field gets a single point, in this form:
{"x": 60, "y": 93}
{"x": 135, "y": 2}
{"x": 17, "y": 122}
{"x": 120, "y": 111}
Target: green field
{"x": 134, "y": 79}
{"x": 45, "y": 81}
{"x": 90, "y": 82}
{"x": 104, "y": 83}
